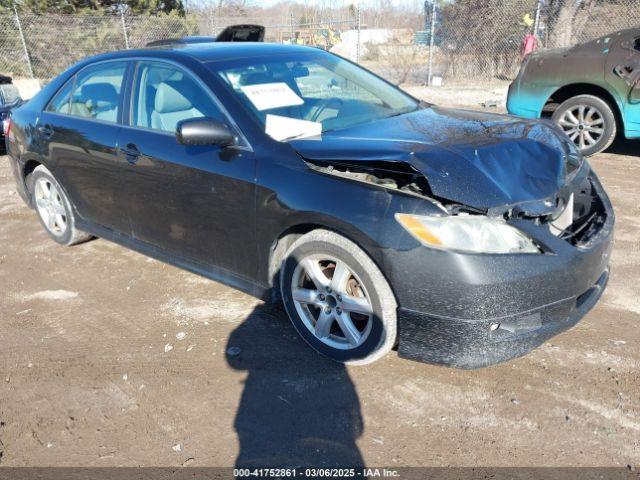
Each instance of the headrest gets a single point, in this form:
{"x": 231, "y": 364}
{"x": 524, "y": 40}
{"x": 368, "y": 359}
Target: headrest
{"x": 100, "y": 94}
{"x": 173, "y": 97}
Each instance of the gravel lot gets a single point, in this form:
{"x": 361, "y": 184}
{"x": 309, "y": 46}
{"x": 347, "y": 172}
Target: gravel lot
{"x": 110, "y": 358}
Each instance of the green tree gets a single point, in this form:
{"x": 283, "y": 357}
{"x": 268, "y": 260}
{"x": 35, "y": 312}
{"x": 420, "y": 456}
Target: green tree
{"x": 146, "y": 6}
{"x": 87, "y": 6}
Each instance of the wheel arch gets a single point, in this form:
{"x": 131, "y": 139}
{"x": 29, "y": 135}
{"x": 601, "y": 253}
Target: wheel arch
{"x": 566, "y": 92}
{"x": 28, "y": 168}
{"x": 289, "y": 235}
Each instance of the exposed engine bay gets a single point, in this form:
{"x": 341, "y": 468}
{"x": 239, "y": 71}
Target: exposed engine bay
{"x": 394, "y": 175}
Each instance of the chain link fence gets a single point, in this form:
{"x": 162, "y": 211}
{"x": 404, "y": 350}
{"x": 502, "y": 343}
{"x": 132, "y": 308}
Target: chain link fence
{"x": 483, "y": 40}
{"x": 462, "y": 42}
{"x": 42, "y": 46}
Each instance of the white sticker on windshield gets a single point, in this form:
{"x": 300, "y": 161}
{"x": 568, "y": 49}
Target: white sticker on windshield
{"x": 280, "y": 128}
{"x": 271, "y": 95}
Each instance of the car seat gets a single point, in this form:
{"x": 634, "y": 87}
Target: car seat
{"x": 97, "y": 100}
{"x": 173, "y": 103}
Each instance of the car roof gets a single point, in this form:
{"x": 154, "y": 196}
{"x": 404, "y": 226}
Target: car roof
{"x": 205, "y": 52}
{"x": 623, "y": 34}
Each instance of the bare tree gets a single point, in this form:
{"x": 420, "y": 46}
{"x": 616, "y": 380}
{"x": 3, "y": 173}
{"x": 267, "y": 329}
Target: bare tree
{"x": 565, "y": 17}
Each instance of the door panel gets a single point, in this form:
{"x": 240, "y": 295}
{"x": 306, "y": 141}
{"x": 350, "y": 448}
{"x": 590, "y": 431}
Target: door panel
{"x": 85, "y": 161}
{"x": 80, "y": 131}
{"x": 195, "y": 202}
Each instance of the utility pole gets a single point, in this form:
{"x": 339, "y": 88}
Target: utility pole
{"x": 536, "y": 23}
{"x": 291, "y": 28}
{"x": 431, "y": 42}
{"x": 124, "y": 30}
{"x": 358, "y": 27}
{"x": 23, "y": 40}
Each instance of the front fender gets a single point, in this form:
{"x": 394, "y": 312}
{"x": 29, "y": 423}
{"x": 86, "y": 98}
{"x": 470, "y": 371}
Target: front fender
{"x": 308, "y": 199}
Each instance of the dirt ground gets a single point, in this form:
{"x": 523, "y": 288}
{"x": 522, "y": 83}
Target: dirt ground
{"x": 109, "y": 358}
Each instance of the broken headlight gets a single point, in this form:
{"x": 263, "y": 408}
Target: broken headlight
{"x": 467, "y": 233}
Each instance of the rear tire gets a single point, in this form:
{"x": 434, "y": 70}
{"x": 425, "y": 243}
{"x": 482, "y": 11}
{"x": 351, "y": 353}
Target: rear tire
{"x": 588, "y": 121}
{"x": 338, "y": 299}
{"x": 53, "y": 208}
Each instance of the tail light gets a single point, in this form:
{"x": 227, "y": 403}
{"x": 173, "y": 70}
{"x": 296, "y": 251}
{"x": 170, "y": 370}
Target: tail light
{"x": 6, "y": 126}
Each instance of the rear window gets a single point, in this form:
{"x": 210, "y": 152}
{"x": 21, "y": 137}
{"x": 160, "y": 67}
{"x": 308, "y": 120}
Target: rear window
{"x": 92, "y": 93}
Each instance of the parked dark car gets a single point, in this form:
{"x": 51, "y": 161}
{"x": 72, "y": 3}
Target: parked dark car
{"x": 464, "y": 238}
{"x": 9, "y": 98}
{"x": 592, "y": 91}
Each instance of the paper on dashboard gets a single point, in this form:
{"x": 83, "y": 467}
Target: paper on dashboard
{"x": 280, "y": 128}
{"x": 271, "y": 95}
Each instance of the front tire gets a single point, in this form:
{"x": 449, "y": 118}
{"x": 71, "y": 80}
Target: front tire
{"x": 338, "y": 299}
{"x": 53, "y": 208}
{"x": 588, "y": 121}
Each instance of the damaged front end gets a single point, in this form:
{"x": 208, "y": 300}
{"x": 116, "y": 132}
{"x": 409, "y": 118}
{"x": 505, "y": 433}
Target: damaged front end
{"x": 466, "y": 162}
{"x": 575, "y": 213}
{"x": 517, "y": 227}
{"x": 468, "y": 301}
{"x": 518, "y": 243}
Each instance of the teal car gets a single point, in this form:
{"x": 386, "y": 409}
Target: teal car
{"x": 592, "y": 90}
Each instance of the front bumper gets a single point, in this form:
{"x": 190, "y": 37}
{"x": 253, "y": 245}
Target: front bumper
{"x": 469, "y": 344}
{"x": 470, "y": 311}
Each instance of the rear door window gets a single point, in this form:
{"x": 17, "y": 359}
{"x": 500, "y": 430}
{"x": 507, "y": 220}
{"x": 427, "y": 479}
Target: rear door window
{"x": 94, "y": 93}
{"x": 60, "y": 102}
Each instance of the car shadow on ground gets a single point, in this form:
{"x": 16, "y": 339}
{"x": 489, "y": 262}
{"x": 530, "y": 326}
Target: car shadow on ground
{"x": 623, "y": 146}
{"x": 297, "y": 407}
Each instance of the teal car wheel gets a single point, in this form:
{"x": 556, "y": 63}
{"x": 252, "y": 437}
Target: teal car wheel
{"x": 588, "y": 121}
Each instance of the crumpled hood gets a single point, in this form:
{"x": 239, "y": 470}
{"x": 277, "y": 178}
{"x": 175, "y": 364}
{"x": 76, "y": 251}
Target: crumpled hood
{"x": 473, "y": 158}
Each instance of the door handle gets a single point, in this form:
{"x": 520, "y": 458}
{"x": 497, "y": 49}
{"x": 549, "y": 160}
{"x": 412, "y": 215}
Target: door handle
{"x": 46, "y": 130}
{"x": 131, "y": 153}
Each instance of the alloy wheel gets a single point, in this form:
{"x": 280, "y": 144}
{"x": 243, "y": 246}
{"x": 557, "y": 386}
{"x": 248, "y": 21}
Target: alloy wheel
{"x": 583, "y": 124}
{"x": 50, "y": 207}
{"x": 332, "y": 301}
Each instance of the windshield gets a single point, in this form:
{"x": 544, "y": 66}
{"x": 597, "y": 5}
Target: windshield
{"x": 299, "y": 95}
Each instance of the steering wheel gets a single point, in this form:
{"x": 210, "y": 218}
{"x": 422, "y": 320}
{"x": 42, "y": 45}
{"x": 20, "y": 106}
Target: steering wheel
{"x": 323, "y": 105}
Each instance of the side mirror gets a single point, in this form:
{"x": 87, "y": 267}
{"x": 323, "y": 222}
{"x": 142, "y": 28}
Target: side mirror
{"x": 204, "y": 131}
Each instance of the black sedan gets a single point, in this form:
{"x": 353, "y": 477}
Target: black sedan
{"x": 463, "y": 238}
